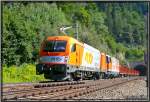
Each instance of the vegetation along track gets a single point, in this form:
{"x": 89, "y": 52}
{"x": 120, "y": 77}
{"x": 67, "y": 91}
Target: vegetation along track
{"x": 65, "y": 91}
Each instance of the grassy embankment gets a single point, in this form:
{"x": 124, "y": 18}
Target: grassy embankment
{"x": 23, "y": 73}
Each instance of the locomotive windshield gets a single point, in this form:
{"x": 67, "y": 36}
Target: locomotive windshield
{"x": 55, "y": 46}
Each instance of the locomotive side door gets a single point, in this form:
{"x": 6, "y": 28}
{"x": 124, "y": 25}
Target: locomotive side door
{"x": 76, "y": 55}
{"x": 72, "y": 57}
{"x": 79, "y": 54}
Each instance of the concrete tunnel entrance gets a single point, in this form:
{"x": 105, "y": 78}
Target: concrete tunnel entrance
{"x": 142, "y": 69}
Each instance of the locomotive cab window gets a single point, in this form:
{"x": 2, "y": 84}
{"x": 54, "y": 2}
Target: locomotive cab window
{"x": 55, "y": 46}
{"x": 73, "y": 48}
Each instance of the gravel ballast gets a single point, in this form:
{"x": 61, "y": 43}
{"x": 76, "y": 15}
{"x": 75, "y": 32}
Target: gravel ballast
{"x": 135, "y": 90}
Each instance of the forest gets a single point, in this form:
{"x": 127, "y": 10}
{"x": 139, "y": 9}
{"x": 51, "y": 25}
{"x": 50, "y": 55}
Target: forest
{"x": 116, "y": 28}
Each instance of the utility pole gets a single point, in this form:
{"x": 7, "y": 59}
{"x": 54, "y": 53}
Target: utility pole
{"x": 76, "y": 26}
{"x": 76, "y": 30}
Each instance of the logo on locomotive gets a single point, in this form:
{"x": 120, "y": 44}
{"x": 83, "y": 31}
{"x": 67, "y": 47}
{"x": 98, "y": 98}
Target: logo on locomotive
{"x": 88, "y": 58}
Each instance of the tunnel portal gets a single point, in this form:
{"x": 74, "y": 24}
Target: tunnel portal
{"x": 142, "y": 69}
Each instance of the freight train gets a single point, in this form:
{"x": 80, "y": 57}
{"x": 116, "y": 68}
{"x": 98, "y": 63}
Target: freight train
{"x": 65, "y": 58}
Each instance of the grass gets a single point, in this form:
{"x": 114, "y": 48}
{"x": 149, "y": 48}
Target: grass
{"x": 23, "y": 73}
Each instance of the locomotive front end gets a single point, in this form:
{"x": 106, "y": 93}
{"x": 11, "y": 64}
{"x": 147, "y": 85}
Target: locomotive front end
{"x": 53, "y": 58}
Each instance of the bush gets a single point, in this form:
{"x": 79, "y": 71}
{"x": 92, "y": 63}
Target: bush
{"x": 23, "y": 73}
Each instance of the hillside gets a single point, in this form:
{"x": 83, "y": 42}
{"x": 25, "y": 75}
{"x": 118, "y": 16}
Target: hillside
{"x": 118, "y": 29}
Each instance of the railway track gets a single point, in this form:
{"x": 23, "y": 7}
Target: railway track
{"x": 24, "y": 86}
{"x": 63, "y": 90}
{"x": 21, "y": 90}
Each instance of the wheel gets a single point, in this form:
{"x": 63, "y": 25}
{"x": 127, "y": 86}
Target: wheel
{"x": 97, "y": 76}
{"x": 101, "y": 75}
{"x": 70, "y": 77}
